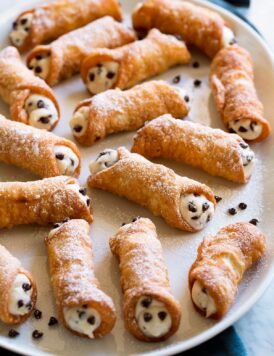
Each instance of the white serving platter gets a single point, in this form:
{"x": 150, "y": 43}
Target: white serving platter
{"x": 27, "y": 243}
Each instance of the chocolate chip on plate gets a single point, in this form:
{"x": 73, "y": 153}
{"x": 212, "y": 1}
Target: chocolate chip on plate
{"x": 37, "y": 314}
{"x": 197, "y": 83}
{"x": 37, "y": 334}
{"x": 52, "y": 321}
{"x": 176, "y": 79}
{"x": 242, "y": 206}
{"x": 232, "y": 211}
{"x": 186, "y": 98}
{"x": 217, "y": 198}
{"x": 13, "y": 333}
{"x": 254, "y": 221}
{"x": 196, "y": 64}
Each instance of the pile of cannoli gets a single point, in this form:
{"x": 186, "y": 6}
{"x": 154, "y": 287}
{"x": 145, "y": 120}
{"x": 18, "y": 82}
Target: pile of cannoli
{"x": 86, "y": 37}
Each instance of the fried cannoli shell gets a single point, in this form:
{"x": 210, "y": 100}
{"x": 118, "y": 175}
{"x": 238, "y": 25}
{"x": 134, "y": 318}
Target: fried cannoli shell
{"x": 56, "y": 18}
{"x": 72, "y": 274}
{"x": 136, "y": 245}
{"x": 115, "y": 110}
{"x": 40, "y": 202}
{"x": 32, "y": 149}
{"x": 151, "y": 185}
{"x": 68, "y": 51}
{"x": 233, "y": 89}
{"x": 141, "y": 59}
{"x": 9, "y": 268}
{"x": 213, "y": 150}
{"x": 17, "y": 82}
{"x": 196, "y": 25}
{"x": 244, "y": 244}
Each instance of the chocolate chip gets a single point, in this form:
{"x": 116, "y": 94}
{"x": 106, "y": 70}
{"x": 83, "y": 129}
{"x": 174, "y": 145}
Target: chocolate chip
{"x": 123, "y": 224}
{"x": 233, "y": 41}
{"x": 44, "y": 119}
{"x": 99, "y": 65}
{"x": 136, "y": 218}
{"x": 204, "y": 290}
{"x": 146, "y": 302}
{"x": 88, "y": 202}
{"x": 231, "y": 130}
{"x": 38, "y": 57}
{"x": 196, "y": 195}
{"x": 60, "y": 156}
{"x": 26, "y": 29}
{"x": 205, "y": 207}
{"x": 91, "y": 77}
{"x": 242, "y": 206}
{"x": 55, "y": 226}
{"x": 147, "y": 317}
{"x": 38, "y": 70}
{"x": 37, "y": 334}
{"x": 81, "y": 313}
{"x": 162, "y": 315}
{"x": 97, "y": 138}
{"x": 14, "y": 25}
{"x": 249, "y": 158}
{"x": 91, "y": 320}
{"x": 30, "y": 67}
{"x": 40, "y": 104}
{"x": 72, "y": 162}
{"x": 52, "y": 321}
{"x": 232, "y": 211}
{"x": 242, "y": 129}
{"x": 192, "y": 207}
{"x": 30, "y": 103}
{"x": 13, "y": 333}
{"x": 197, "y": 83}
{"x": 195, "y": 218}
{"x": 66, "y": 220}
{"x": 208, "y": 218}
{"x": 85, "y": 306}
{"x": 243, "y": 145}
{"x": 26, "y": 286}
{"x": 254, "y": 221}
{"x": 196, "y": 64}
{"x": 23, "y": 21}
{"x": 186, "y": 98}
{"x": 176, "y": 79}
{"x": 78, "y": 128}
{"x": 252, "y": 124}
{"x": 217, "y": 198}
{"x": 20, "y": 303}
{"x": 110, "y": 75}
{"x": 29, "y": 305}
{"x": 83, "y": 191}
{"x": 37, "y": 314}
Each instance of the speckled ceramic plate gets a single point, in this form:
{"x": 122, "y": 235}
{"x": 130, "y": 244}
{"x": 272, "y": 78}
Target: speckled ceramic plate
{"x": 27, "y": 243}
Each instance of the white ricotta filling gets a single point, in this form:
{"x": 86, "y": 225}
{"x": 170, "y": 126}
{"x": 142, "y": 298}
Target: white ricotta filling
{"x": 102, "y": 77}
{"x": 106, "y": 159}
{"x": 20, "y": 302}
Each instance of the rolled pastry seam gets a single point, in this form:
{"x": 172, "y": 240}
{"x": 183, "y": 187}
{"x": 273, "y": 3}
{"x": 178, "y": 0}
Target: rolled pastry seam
{"x": 215, "y": 151}
{"x": 31, "y": 100}
{"x": 47, "y": 22}
{"x": 38, "y": 151}
{"x": 151, "y": 313}
{"x": 19, "y": 293}
{"x": 196, "y": 25}
{"x": 220, "y": 265}
{"x": 115, "y": 110}
{"x": 233, "y": 89}
{"x": 62, "y": 58}
{"x": 183, "y": 203}
{"x": 82, "y": 306}
{"x": 43, "y": 202}
{"x": 126, "y": 66}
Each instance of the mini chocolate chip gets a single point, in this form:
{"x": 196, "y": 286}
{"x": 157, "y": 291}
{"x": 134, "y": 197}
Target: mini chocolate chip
{"x": 30, "y": 103}
{"x": 162, "y": 315}
{"x": 242, "y": 129}
{"x": 136, "y": 218}
{"x": 26, "y": 29}
{"x": 13, "y": 333}
{"x": 85, "y": 306}
{"x": 196, "y": 64}
{"x": 146, "y": 302}
{"x": 208, "y": 218}
{"x": 23, "y": 21}
{"x": 29, "y": 305}
{"x": 249, "y": 158}
{"x": 30, "y": 67}
{"x": 242, "y": 206}
{"x": 52, "y": 321}
{"x": 83, "y": 191}
{"x": 81, "y": 313}
{"x": 176, "y": 79}
{"x": 231, "y": 130}
{"x": 217, "y": 198}
{"x": 97, "y": 138}
{"x": 72, "y": 162}
{"x": 195, "y": 218}
{"x": 123, "y": 224}
{"x": 26, "y": 286}
{"x": 232, "y": 211}
{"x": 55, "y": 226}
{"x": 205, "y": 206}
{"x": 38, "y": 57}
{"x": 197, "y": 83}
{"x": 60, "y": 156}
{"x": 192, "y": 207}
{"x": 243, "y": 145}
{"x": 37, "y": 314}
{"x": 66, "y": 220}
{"x": 196, "y": 194}
{"x": 38, "y": 70}
{"x": 20, "y": 303}
{"x": 40, "y": 104}
{"x": 110, "y": 75}
{"x": 78, "y": 128}
{"x": 254, "y": 221}
{"x": 99, "y": 65}
{"x": 186, "y": 98}
{"x": 14, "y": 25}
{"x": 252, "y": 124}
{"x": 91, "y": 77}
{"x": 44, "y": 119}
{"x": 233, "y": 41}
{"x": 147, "y": 317}
{"x": 88, "y": 202}
{"x": 91, "y": 320}
{"x": 37, "y": 334}
{"x": 204, "y": 290}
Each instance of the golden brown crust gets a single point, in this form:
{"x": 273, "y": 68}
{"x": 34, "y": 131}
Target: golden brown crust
{"x": 10, "y": 267}
{"x": 56, "y": 18}
{"x": 41, "y": 202}
{"x": 17, "y": 82}
{"x": 72, "y": 274}
{"x": 153, "y": 186}
{"x": 140, "y": 60}
{"x": 196, "y": 25}
{"x": 32, "y": 149}
{"x": 243, "y": 244}
{"x": 136, "y": 245}
{"x": 115, "y": 110}
{"x": 212, "y": 150}
{"x": 68, "y": 51}
{"x": 233, "y": 89}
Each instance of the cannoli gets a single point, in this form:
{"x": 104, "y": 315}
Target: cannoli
{"x": 233, "y": 89}
{"x": 196, "y": 25}
{"x": 31, "y": 100}
{"x": 116, "y": 110}
{"x": 213, "y": 150}
{"x": 38, "y": 151}
{"x": 47, "y": 22}
{"x": 42, "y": 202}
{"x": 220, "y": 265}
{"x": 18, "y": 289}
{"x": 151, "y": 313}
{"x": 183, "y": 203}
{"x": 82, "y": 306}
{"x": 62, "y": 58}
{"x": 126, "y": 66}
